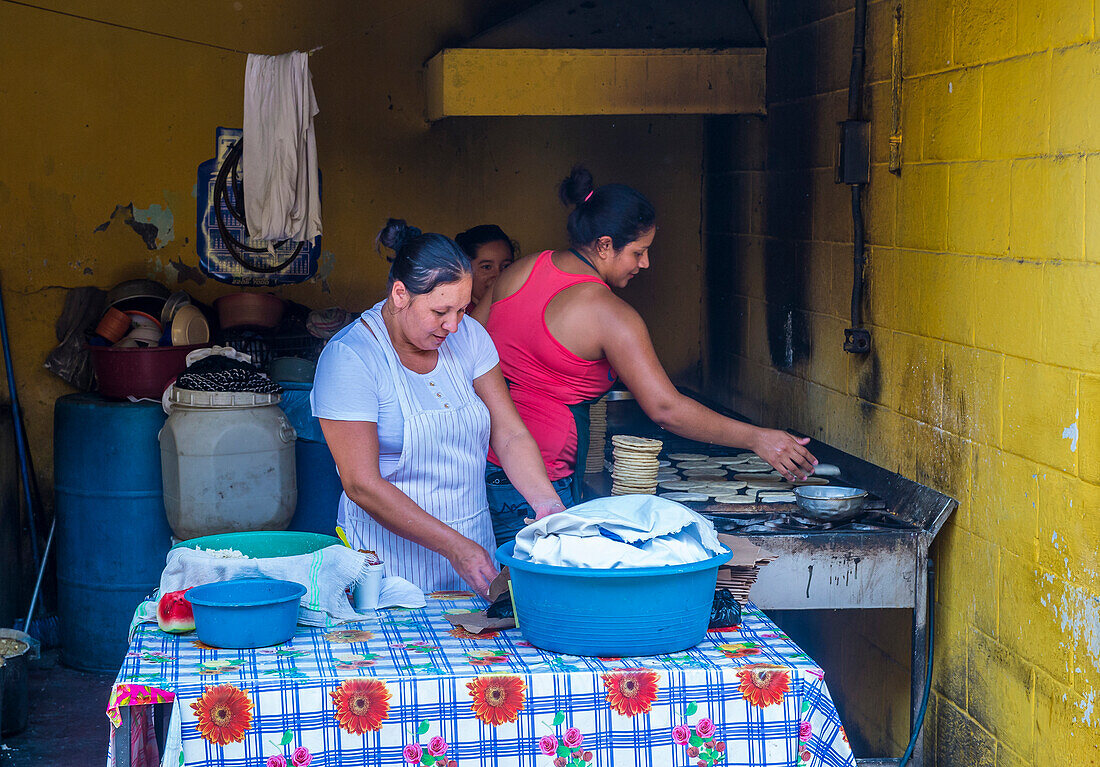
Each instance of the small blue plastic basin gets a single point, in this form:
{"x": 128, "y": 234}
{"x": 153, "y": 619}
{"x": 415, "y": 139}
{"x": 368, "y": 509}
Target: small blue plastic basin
{"x": 246, "y": 613}
{"x": 616, "y": 613}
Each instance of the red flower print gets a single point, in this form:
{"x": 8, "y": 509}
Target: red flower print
{"x": 437, "y": 746}
{"x": 224, "y": 713}
{"x": 763, "y": 685}
{"x": 497, "y": 699}
{"x": 705, "y": 728}
{"x": 361, "y": 705}
{"x": 631, "y": 692}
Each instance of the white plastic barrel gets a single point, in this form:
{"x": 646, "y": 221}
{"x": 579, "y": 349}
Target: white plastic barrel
{"x": 227, "y": 462}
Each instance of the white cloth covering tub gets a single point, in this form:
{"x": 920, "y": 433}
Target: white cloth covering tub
{"x": 618, "y": 532}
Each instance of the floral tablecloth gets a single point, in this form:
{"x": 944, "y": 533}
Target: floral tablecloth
{"x": 405, "y": 687}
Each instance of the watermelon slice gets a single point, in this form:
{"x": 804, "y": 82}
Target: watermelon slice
{"x": 174, "y": 613}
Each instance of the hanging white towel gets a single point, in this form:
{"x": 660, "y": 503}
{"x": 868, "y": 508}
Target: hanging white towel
{"x": 282, "y": 199}
{"x": 621, "y": 531}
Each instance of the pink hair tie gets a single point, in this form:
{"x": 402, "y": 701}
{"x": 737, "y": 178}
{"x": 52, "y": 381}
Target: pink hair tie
{"x": 589, "y": 195}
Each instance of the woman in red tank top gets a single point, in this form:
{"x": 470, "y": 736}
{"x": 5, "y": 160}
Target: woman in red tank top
{"x": 563, "y": 337}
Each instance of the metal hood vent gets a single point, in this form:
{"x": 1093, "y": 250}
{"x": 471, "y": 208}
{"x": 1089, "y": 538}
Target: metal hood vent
{"x": 605, "y": 57}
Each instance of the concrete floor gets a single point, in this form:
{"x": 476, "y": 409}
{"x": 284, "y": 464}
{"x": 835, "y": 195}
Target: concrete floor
{"x": 68, "y": 724}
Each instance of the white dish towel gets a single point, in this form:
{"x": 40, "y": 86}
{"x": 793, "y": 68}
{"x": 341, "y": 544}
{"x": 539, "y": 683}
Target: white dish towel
{"x": 621, "y": 531}
{"x": 282, "y": 198}
{"x": 325, "y": 574}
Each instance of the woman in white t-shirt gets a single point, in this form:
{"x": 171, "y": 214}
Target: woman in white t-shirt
{"x": 410, "y": 397}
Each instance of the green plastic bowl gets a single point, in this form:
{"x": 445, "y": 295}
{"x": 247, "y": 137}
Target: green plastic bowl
{"x": 264, "y": 544}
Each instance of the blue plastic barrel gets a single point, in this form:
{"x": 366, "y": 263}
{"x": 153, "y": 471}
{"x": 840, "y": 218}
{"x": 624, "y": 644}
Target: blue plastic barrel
{"x": 112, "y": 533}
{"x": 319, "y": 485}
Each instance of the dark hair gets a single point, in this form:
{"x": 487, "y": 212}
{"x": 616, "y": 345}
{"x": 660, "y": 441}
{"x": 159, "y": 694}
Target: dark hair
{"x": 421, "y": 261}
{"x": 474, "y": 237}
{"x": 613, "y": 210}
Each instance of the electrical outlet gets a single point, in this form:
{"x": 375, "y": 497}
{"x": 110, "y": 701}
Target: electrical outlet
{"x": 857, "y": 340}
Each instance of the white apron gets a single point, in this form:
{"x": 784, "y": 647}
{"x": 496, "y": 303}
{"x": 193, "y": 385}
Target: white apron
{"x": 441, "y": 468}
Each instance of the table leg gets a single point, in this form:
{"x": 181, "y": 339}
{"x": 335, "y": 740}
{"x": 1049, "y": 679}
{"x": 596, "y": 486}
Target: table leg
{"x": 920, "y": 652}
{"x": 161, "y": 714}
{"x": 122, "y": 738}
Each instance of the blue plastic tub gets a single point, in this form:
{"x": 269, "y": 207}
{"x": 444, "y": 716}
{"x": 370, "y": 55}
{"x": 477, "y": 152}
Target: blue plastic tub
{"x": 612, "y": 613}
{"x": 246, "y": 613}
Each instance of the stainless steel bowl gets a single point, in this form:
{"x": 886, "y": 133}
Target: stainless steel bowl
{"x": 829, "y": 503}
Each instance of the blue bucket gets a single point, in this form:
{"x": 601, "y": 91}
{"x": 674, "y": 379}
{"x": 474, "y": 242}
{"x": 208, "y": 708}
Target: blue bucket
{"x": 616, "y": 613}
{"x": 246, "y": 613}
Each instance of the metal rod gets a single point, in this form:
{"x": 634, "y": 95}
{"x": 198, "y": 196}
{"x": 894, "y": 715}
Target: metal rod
{"x": 38, "y": 581}
{"x": 17, "y": 422}
{"x": 922, "y": 605}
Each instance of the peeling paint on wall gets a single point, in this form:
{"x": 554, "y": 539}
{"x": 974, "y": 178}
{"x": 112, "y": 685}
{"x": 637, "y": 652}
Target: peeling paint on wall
{"x": 185, "y": 272}
{"x": 325, "y": 264}
{"x": 1070, "y": 433}
{"x": 155, "y": 225}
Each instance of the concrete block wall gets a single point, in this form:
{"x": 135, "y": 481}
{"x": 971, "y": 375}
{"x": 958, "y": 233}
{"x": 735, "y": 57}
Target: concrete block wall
{"x": 983, "y": 381}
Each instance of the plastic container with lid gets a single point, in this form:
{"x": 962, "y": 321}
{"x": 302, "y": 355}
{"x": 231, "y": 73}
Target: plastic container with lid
{"x": 227, "y": 461}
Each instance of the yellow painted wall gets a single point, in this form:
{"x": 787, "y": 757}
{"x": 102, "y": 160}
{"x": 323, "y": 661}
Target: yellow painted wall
{"x": 97, "y": 116}
{"x": 984, "y": 378}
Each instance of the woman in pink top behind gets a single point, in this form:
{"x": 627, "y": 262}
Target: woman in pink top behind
{"x": 563, "y": 335}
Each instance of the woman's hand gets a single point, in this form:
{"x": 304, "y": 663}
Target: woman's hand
{"x": 785, "y": 452}
{"x": 474, "y": 565}
{"x": 546, "y": 508}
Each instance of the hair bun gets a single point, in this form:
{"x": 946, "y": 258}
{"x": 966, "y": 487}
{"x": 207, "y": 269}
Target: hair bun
{"x": 395, "y": 234}
{"x": 575, "y": 187}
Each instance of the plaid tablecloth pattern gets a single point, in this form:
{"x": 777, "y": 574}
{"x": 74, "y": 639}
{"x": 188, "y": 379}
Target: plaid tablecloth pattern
{"x": 405, "y": 687}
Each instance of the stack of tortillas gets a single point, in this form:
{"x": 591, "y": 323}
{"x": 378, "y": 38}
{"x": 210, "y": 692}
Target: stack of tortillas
{"x": 597, "y": 432}
{"x": 635, "y": 464}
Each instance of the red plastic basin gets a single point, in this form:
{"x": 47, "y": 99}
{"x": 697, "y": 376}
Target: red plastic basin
{"x": 122, "y": 373}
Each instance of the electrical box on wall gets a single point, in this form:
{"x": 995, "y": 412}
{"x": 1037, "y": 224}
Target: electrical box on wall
{"x": 226, "y": 251}
{"x": 853, "y": 152}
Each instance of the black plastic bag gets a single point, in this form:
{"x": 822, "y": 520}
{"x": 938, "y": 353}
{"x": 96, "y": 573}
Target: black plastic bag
{"x": 724, "y": 611}
{"x": 502, "y": 608}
